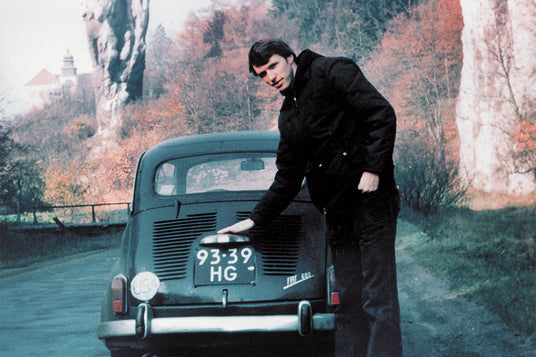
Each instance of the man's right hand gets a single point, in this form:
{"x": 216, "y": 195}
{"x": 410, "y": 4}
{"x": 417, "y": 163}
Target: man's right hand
{"x": 238, "y": 227}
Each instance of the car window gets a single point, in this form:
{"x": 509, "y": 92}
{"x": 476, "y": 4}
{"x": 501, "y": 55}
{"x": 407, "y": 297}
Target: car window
{"x": 165, "y": 179}
{"x": 231, "y": 172}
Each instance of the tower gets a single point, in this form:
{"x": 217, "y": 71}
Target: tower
{"x": 68, "y": 76}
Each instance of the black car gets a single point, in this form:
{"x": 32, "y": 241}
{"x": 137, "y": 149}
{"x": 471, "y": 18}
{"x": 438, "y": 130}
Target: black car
{"x": 180, "y": 286}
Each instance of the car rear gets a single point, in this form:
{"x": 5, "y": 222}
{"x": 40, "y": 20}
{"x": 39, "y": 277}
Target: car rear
{"x": 181, "y": 285}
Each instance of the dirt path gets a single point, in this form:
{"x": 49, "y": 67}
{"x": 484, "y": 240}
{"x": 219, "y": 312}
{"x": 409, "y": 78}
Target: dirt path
{"x": 437, "y": 322}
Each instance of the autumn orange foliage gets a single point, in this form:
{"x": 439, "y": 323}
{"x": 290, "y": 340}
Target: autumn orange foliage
{"x": 417, "y": 66}
{"x": 525, "y": 136}
{"x": 67, "y": 182}
{"x": 208, "y": 88}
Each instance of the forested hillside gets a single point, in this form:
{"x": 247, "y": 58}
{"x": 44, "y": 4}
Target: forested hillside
{"x": 198, "y": 82}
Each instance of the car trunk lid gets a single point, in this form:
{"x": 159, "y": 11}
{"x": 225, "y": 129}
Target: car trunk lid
{"x": 284, "y": 260}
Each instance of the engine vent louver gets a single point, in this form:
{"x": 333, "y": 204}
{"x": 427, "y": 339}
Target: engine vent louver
{"x": 279, "y": 243}
{"x": 172, "y": 242}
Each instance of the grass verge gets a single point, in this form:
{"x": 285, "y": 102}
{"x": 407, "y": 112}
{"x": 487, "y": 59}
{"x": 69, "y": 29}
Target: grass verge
{"x": 489, "y": 256}
{"x": 20, "y": 249}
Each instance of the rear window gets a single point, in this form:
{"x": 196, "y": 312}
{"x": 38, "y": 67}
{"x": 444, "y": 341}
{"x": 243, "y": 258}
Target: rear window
{"x": 221, "y": 172}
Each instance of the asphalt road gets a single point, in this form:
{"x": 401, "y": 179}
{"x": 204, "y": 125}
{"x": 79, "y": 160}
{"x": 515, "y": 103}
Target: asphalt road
{"x": 52, "y": 309}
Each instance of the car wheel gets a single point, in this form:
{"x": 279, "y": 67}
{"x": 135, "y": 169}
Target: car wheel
{"x": 306, "y": 319}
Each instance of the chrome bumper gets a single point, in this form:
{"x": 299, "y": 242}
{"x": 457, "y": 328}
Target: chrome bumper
{"x": 144, "y": 326}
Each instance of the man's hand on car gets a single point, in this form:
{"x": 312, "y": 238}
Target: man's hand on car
{"x": 238, "y": 227}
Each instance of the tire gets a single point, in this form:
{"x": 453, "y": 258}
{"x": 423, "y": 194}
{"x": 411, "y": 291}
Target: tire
{"x": 306, "y": 319}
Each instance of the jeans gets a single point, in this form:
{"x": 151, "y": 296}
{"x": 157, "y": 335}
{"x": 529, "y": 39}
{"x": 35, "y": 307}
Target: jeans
{"x": 362, "y": 233}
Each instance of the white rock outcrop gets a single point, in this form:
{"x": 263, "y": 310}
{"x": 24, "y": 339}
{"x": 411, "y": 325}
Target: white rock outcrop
{"x": 498, "y": 84}
{"x": 116, "y": 35}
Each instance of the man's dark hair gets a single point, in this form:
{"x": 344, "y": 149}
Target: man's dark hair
{"x": 261, "y": 51}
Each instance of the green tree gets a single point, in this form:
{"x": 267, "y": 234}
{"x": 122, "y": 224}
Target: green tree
{"x": 350, "y": 27}
{"x": 213, "y": 34}
{"x": 309, "y": 17}
{"x": 20, "y": 178}
{"x": 158, "y": 64}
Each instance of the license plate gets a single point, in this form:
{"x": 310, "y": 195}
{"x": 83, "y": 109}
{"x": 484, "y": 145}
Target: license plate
{"x": 217, "y": 266}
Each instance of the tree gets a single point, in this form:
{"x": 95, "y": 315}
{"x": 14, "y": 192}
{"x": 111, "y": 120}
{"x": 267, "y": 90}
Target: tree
{"x": 213, "y": 33}
{"x": 307, "y": 15}
{"x": 348, "y": 27}
{"x": 53, "y": 142}
{"x": 147, "y": 123}
{"x": 20, "y": 178}
{"x": 4, "y": 100}
{"x": 426, "y": 183}
{"x": 525, "y": 139}
{"x": 55, "y": 131}
{"x": 419, "y": 64}
{"x": 216, "y": 89}
{"x": 158, "y": 64}
{"x": 67, "y": 181}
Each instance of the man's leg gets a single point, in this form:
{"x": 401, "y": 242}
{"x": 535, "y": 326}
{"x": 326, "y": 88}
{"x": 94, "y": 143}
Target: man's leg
{"x": 380, "y": 295}
{"x": 352, "y": 331}
{"x": 368, "y": 319}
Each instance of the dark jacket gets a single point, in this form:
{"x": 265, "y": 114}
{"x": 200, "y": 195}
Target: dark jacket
{"x": 334, "y": 125}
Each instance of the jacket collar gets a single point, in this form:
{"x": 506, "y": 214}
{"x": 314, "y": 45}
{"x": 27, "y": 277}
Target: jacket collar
{"x": 304, "y": 60}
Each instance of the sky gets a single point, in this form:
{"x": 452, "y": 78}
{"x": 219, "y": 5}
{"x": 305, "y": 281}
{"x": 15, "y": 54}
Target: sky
{"x": 36, "y": 34}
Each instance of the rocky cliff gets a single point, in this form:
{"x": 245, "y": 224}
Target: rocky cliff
{"x": 116, "y": 34}
{"x": 498, "y": 85}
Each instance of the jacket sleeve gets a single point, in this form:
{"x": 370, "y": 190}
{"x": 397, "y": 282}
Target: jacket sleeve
{"x": 373, "y": 112}
{"x": 287, "y": 183}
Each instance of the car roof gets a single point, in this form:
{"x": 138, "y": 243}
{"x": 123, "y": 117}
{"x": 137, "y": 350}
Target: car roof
{"x": 227, "y": 142}
{"x": 215, "y": 142}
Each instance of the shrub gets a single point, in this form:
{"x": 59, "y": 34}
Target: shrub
{"x": 426, "y": 179}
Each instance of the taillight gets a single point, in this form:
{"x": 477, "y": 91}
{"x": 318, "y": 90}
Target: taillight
{"x": 334, "y": 299}
{"x": 333, "y": 295}
{"x": 119, "y": 294}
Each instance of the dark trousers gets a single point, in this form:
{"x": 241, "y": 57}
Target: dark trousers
{"x": 362, "y": 235}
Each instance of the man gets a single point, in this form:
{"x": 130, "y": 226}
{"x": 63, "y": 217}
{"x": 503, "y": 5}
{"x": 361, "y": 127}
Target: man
{"x": 339, "y": 132}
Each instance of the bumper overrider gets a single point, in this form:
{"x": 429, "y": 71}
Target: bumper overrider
{"x": 304, "y": 322}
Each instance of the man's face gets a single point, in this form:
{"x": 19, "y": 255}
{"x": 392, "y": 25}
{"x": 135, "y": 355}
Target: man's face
{"x": 278, "y": 72}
